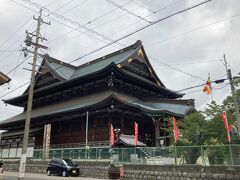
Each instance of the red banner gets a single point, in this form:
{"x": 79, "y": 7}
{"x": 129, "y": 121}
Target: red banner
{"x": 175, "y": 130}
{"x": 136, "y": 133}
{"x": 111, "y": 136}
{"x": 225, "y": 122}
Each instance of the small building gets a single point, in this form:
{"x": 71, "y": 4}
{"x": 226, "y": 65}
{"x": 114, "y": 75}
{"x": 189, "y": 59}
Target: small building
{"x": 119, "y": 89}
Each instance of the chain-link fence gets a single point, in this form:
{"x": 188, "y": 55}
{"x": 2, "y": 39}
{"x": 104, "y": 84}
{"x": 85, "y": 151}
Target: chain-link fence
{"x": 178, "y": 155}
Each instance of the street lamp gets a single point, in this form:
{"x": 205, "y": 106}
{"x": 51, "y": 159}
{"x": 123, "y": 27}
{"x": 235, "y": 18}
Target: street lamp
{"x": 117, "y": 130}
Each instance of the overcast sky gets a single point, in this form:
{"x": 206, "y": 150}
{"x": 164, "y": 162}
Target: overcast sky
{"x": 182, "y": 49}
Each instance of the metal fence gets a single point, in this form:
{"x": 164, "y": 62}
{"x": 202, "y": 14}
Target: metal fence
{"x": 178, "y": 155}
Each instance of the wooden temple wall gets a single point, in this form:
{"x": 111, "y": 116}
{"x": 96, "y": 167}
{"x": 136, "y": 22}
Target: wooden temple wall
{"x": 74, "y": 131}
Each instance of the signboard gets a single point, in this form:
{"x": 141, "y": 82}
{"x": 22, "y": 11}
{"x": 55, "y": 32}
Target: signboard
{"x": 46, "y": 141}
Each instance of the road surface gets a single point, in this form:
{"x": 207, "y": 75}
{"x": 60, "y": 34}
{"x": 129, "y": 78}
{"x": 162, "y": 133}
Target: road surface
{"x": 29, "y": 176}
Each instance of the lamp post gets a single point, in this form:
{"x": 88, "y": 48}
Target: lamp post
{"x": 117, "y": 130}
{"x": 86, "y": 147}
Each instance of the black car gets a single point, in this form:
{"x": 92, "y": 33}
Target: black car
{"x": 1, "y": 166}
{"x": 64, "y": 167}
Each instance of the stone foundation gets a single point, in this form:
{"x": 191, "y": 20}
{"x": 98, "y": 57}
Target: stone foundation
{"x": 186, "y": 172}
{"x": 87, "y": 169}
{"x": 146, "y": 172}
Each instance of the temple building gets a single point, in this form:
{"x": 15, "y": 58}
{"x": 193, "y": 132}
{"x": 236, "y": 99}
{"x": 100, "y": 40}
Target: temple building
{"x": 119, "y": 89}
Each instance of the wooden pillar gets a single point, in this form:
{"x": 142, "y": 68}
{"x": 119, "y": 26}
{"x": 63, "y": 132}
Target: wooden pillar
{"x": 122, "y": 124}
{"x": 157, "y": 130}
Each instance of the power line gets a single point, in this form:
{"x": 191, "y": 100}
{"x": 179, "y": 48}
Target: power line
{"x": 144, "y": 27}
{"x": 155, "y": 22}
{"x": 18, "y": 64}
{"x": 195, "y": 29}
{"x": 51, "y": 3}
{"x": 11, "y": 50}
{"x": 129, "y": 12}
{"x": 65, "y": 4}
{"x": 182, "y": 64}
{"x": 174, "y": 68}
{"x": 38, "y": 6}
{"x": 5, "y": 109}
{"x": 89, "y": 22}
{"x": 12, "y": 35}
{"x": 143, "y": 6}
{"x": 24, "y": 6}
{"x": 127, "y": 27}
{"x": 72, "y": 22}
{"x": 15, "y": 89}
{"x": 75, "y": 6}
{"x": 140, "y": 29}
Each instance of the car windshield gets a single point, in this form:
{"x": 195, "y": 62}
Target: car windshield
{"x": 69, "y": 162}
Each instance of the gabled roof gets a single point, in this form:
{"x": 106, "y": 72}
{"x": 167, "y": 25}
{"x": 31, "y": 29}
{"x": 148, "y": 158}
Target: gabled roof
{"x": 128, "y": 140}
{"x": 67, "y": 71}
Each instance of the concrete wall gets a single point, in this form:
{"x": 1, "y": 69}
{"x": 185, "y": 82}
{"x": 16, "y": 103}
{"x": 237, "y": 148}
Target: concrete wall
{"x": 146, "y": 172}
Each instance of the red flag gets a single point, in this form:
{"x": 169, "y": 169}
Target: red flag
{"x": 136, "y": 133}
{"x": 225, "y": 122}
{"x": 112, "y": 136}
{"x": 175, "y": 130}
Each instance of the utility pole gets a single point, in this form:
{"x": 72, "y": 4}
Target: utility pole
{"x": 30, "y": 95}
{"x": 229, "y": 75}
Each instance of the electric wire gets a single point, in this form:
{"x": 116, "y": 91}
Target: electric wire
{"x": 15, "y": 32}
{"x": 51, "y": 3}
{"x": 188, "y": 63}
{"x": 11, "y": 50}
{"x": 155, "y": 22}
{"x": 127, "y": 27}
{"x": 89, "y": 22}
{"x": 17, "y": 88}
{"x": 103, "y": 40}
{"x": 73, "y": 22}
{"x": 129, "y": 12}
{"x": 122, "y": 29}
{"x": 144, "y": 27}
{"x": 174, "y": 68}
{"x": 195, "y": 29}
{"x": 75, "y": 6}
{"x": 24, "y": 6}
{"x": 65, "y": 4}
{"x": 143, "y": 6}
{"x": 18, "y": 64}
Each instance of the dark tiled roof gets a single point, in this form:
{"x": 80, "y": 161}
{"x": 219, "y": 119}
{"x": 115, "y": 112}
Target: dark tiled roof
{"x": 128, "y": 140}
{"x": 67, "y": 71}
{"x": 151, "y": 107}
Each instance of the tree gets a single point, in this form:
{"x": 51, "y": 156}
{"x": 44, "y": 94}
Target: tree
{"x": 212, "y": 110}
{"x": 192, "y": 128}
{"x": 228, "y": 104}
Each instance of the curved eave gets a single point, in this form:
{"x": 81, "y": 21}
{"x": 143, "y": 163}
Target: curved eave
{"x": 18, "y": 100}
{"x": 101, "y": 100}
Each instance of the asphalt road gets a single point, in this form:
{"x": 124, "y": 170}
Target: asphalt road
{"x": 28, "y": 176}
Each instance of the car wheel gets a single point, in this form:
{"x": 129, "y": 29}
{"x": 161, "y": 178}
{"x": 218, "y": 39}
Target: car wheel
{"x": 64, "y": 173}
{"x": 48, "y": 172}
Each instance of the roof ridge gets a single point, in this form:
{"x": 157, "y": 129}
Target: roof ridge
{"x": 49, "y": 59}
{"x": 137, "y": 44}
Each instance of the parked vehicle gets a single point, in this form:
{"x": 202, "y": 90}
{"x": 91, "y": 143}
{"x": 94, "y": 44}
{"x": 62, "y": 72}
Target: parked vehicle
{"x": 63, "y": 167}
{"x": 1, "y": 166}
